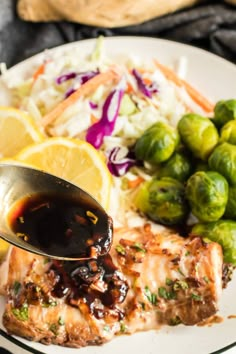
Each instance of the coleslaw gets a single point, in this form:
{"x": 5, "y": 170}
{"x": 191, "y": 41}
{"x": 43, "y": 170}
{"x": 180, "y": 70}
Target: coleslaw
{"x": 112, "y": 114}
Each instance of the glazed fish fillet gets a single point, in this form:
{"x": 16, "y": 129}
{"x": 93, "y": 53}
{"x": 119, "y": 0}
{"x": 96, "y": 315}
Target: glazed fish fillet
{"x": 148, "y": 279}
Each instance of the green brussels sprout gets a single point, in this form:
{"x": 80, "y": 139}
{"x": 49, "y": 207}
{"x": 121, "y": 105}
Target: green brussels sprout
{"x": 207, "y": 193}
{"x": 199, "y": 135}
{"x": 223, "y": 232}
{"x": 162, "y": 201}
{"x": 178, "y": 166}
{"x": 157, "y": 143}
{"x": 223, "y": 160}
{"x": 228, "y": 132}
{"x": 230, "y": 211}
{"x": 224, "y": 111}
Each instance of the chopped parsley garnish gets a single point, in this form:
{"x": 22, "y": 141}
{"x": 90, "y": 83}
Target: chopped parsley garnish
{"x": 152, "y": 297}
{"x": 120, "y": 249}
{"x": 169, "y": 281}
{"x": 164, "y": 294}
{"x": 187, "y": 253}
{"x": 139, "y": 247}
{"x": 180, "y": 284}
{"x": 196, "y": 297}
{"x": 54, "y": 328}
{"x": 180, "y": 272}
{"x": 50, "y": 303}
{"x": 123, "y": 327}
{"x": 175, "y": 321}
{"x": 142, "y": 304}
{"x": 106, "y": 328}
{"x": 206, "y": 279}
{"x": 61, "y": 322}
{"x": 16, "y": 287}
{"x": 21, "y": 313}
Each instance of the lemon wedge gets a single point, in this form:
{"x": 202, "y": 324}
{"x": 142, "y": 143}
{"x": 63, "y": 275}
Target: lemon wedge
{"x": 17, "y": 130}
{"x": 73, "y": 160}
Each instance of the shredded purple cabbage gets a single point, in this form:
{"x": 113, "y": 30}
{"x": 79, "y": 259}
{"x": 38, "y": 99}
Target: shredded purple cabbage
{"x": 119, "y": 161}
{"x": 65, "y": 77}
{"x": 81, "y": 78}
{"x": 147, "y": 90}
{"x": 69, "y": 92}
{"x": 105, "y": 126}
{"x": 93, "y": 105}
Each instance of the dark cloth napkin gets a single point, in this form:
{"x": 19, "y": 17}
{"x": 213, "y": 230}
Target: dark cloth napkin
{"x": 211, "y": 26}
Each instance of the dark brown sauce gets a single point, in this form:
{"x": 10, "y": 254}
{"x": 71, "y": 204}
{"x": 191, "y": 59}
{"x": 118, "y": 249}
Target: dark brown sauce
{"x": 90, "y": 280}
{"x": 62, "y": 226}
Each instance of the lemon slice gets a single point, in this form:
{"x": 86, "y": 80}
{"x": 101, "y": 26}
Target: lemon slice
{"x": 3, "y": 248}
{"x": 73, "y": 160}
{"x": 17, "y": 130}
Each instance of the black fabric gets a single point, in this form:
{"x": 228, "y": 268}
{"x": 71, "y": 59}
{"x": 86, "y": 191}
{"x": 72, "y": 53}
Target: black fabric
{"x": 211, "y": 26}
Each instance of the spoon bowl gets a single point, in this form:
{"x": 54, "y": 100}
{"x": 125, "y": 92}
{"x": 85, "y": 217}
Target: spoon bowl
{"x": 75, "y": 225}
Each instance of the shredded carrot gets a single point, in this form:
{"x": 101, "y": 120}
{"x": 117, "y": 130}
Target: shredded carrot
{"x": 129, "y": 88}
{"x": 147, "y": 81}
{"x": 85, "y": 89}
{"x": 135, "y": 182}
{"x": 39, "y": 71}
{"x": 93, "y": 119}
{"x": 193, "y": 93}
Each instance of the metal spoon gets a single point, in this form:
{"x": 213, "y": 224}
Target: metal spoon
{"x": 19, "y": 183}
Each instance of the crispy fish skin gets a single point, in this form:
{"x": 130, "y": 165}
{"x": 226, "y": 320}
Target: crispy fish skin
{"x": 171, "y": 280}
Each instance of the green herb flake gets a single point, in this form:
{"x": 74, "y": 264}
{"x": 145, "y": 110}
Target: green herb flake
{"x": 196, "y": 297}
{"x": 180, "y": 272}
{"x": 106, "y": 328}
{"x": 142, "y": 304}
{"x": 152, "y": 298}
{"x": 139, "y": 247}
{"x": 54, "y": 328}
{"x": 16, "y": 287}
{"x": 206, "y": 279}
{"x": 123, "y": 327}
{"x": 180, "y": 284}
{"x": 187, "y": 253}
{"x": 167, "y": 295}
{"x": 169, "y": 281}
{"x": 46, "y": 260}
{"x": 61, "y": 322}
{"x": 21, "y": 313}
{"x": 120, "y": 249}
{"x": 175, "y": 321}
{"x": 50, "y": 303}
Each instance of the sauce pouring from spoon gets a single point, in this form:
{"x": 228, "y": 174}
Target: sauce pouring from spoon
{"x": 44, "y": 214}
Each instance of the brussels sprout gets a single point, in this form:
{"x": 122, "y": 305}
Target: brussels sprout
{"x": 224, "y": 111}
{"x": 223, "y": 232}
{"x": 178, "y": 166}
{"x": 199, "y": 134}
{"x": 223, "y": 160}
{"x": 230, "y": 211}
{"x": 228, "y": 132}
{"x": 207, "y": 193}
{"x": 157, "y": 143}
{"x": 162, "y": 201}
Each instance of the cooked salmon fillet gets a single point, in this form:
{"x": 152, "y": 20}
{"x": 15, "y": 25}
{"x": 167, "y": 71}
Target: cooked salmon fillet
{"x": 148, "y": 279}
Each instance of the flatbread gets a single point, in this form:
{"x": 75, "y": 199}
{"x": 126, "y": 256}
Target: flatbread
{"x": 103, "y": 13}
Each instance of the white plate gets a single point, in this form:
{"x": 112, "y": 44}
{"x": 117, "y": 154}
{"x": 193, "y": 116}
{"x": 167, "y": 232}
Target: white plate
{"x": 216, "y": 79}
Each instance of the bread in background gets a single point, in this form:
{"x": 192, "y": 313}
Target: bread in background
{"x": 102, "y": 13}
